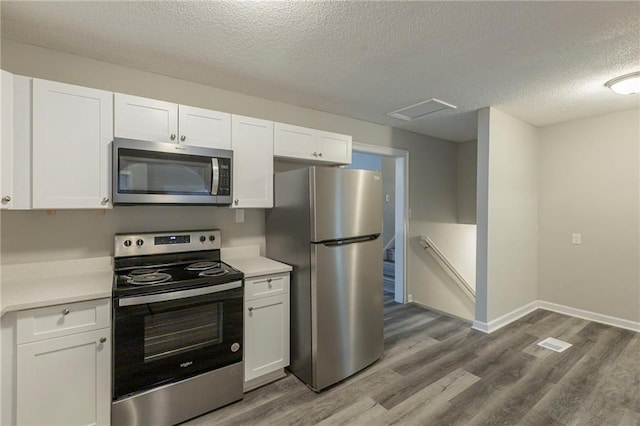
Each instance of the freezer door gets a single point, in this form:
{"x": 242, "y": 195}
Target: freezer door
{"x": 346, "y": 309}
{"x": 345, "y": 203}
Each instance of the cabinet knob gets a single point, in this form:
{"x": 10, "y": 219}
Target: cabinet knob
{"x": 315, "y": 154}
{"x": 235, "y": 202}
{"x": 319, "y": 154}
{"x": 105, "y": 200}
{"x": 65, "y": 312}
{"x": 183, "y": 138}
{"x": 6, "y": 199}
{"x": 103, "y": 339}
{"x": 172, "y": 137}
{"x": 250, "y": 309}
{"x": 269, "y": 280}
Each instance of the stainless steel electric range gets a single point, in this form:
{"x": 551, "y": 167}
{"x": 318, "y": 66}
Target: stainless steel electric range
{"x": 178, "y": 328}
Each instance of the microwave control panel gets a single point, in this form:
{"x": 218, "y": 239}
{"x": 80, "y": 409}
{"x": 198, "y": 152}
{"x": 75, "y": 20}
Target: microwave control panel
{"x": 224, "y": 183}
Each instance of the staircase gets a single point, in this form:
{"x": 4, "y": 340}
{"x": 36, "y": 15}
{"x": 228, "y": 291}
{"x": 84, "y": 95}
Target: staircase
{"x": 389, "y": 270}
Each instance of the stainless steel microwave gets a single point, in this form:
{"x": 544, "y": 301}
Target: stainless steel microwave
{"x": 165, "y": 173}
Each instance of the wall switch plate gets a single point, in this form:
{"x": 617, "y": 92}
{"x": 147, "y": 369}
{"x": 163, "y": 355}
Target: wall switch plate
{"x": 239, "y": 215}
{"x": 576, "y": 239}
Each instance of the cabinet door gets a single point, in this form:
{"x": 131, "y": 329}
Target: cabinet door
{"x": 65, "y": 381}
{"x": 334, "y": 147}
{"x": 145, "y": 119}
{"x": 266, "y": 335}
{"x": 203, "y": 127}
{"x": 294, "y": 142}
{"x": 72, "y": 129}
{"x": 6, "y": 144}
{"x": 252, "y": 143}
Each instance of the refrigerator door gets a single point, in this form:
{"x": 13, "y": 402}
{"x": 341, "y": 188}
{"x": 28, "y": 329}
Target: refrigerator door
{"x": 347, "y": 316}
{"x": 344, "y": 203}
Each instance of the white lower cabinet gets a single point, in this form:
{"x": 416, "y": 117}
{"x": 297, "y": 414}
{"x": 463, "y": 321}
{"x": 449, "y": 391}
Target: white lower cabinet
{"x": 266, "y": 321}
{"x": 63, "y": 380}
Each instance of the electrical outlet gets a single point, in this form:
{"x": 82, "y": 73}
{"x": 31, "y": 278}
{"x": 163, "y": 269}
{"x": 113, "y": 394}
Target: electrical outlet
{"x": 239, "y": 215}
{"x": 576, "y": 239}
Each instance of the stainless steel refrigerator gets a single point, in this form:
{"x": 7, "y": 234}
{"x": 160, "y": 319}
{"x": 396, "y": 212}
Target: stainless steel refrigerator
{"x": 327, "y": 224}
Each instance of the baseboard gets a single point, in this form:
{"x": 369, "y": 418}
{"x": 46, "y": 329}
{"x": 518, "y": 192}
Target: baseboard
{"x": 591, "y": 316}
{"x": 506, "y": 319}
{"x": 512, "y": 316}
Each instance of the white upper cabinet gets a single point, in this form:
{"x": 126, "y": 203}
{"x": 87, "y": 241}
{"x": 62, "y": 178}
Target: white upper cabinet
{"x": 6, "y": 144}
{"x": 203, "y": 127}
{"x": 159, "y": 121}
{"x": 72, "y": 131}
{"x": 310, "y": 145}
{"x": 145, "y": 119}
{"x": 252, "y": 143}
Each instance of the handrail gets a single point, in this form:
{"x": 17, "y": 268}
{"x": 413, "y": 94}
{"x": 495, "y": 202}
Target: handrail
{"x": 446, "y": 264}
{"x": 388, "y": 245}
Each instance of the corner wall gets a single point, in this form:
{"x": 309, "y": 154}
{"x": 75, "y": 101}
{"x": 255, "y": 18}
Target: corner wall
{"x": 590, "y": 184}
{"x": 507, "y": 210}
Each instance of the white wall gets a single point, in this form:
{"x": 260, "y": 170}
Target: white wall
{"x": 29, "y": 236}
{"x": 508, "y": 194}
{"x": 590, "y": 184}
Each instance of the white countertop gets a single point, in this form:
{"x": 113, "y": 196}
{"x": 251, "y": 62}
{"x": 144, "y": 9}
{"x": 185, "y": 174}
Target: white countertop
{"x": 34, "y": 285}
{"x": 248, "y": 260}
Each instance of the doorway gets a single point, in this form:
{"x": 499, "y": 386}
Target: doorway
{"x": 395, "y": 201}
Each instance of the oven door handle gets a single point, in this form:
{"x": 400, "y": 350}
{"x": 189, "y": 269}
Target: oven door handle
{"x": 174, "y": 295}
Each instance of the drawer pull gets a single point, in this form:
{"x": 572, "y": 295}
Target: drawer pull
{"x": 250, "y": 309}
{"x": 103, "y": 339}
{"x": 65, "y": 312}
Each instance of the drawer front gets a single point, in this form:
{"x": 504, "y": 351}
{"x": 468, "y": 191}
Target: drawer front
{"x": 62, "y": 320}
{"x": 266, "y": 285}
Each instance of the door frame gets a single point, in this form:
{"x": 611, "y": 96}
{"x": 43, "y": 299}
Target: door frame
{"x": 401, "y": 157}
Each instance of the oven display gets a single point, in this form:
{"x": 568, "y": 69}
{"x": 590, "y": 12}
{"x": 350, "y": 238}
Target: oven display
{"x": 172, "y": 239}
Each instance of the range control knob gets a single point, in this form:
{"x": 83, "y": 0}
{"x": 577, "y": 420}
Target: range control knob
{"x": 203, "y": 238}
{"x": 212, "y": 238}
{"x": 139, "y": 242}
{"x": 127, "y": 243}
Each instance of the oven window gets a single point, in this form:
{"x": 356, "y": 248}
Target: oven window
{"x": 171, "y": 333}
{"x": 143, "y": 172}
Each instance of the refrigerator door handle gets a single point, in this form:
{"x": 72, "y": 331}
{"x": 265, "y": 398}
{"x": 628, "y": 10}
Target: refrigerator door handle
{"x": 345, "y": 241}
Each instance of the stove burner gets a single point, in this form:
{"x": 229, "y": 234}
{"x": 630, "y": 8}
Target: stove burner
{"x": 138, "y": 272}
{"x": 213, "y": 272}
{"x": 202, "y": 266}
{"x": 150, "y": 278}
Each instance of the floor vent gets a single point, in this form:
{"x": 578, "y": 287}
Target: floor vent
{"x": 554, "y": 344}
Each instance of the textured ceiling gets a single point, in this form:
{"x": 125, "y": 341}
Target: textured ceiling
{"x": 543, "y": 62}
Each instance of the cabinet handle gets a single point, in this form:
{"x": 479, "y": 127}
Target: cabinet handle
{"x": 65, "y": 312}
{"x": 315, "y": 154}
{"x": 320, "y": 154}
{"x": 103, "y": 339}
{"x": 6, "y": 199}
{"x": 105, "y": 200}
{"x": 269, "y": 280}
{"x": 172, "y": 137}
{"x": 183, "y": 138}
{"x": 250, "y": 309}
{"x": 235, "y": 202}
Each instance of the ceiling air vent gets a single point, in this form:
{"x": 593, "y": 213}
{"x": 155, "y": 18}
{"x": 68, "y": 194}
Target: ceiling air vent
{"x": 420, "y": 109}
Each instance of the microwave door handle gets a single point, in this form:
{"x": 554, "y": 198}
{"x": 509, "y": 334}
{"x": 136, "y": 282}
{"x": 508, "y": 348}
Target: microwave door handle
{"x": 215, "y": 176}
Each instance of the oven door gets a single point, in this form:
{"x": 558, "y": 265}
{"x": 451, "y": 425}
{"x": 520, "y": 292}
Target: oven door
{"x": 164, "y": 173}
{"x": 167, "y": 337}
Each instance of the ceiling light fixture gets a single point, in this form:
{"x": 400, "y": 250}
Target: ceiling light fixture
{"x": 420, "y": 109}
{"x": 627, "y": 84}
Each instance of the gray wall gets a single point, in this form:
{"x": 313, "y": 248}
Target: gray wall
{"x": 432, "y": 168}
{"x": 590, "y": 184}
{"x": 467, "y": 171}
{"x": 508, "y": 234}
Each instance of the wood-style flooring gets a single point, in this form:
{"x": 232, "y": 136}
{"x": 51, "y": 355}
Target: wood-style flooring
{"x": 436, "y": 370}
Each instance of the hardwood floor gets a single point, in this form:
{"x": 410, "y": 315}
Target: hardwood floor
{"x": 437, "y": 371}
